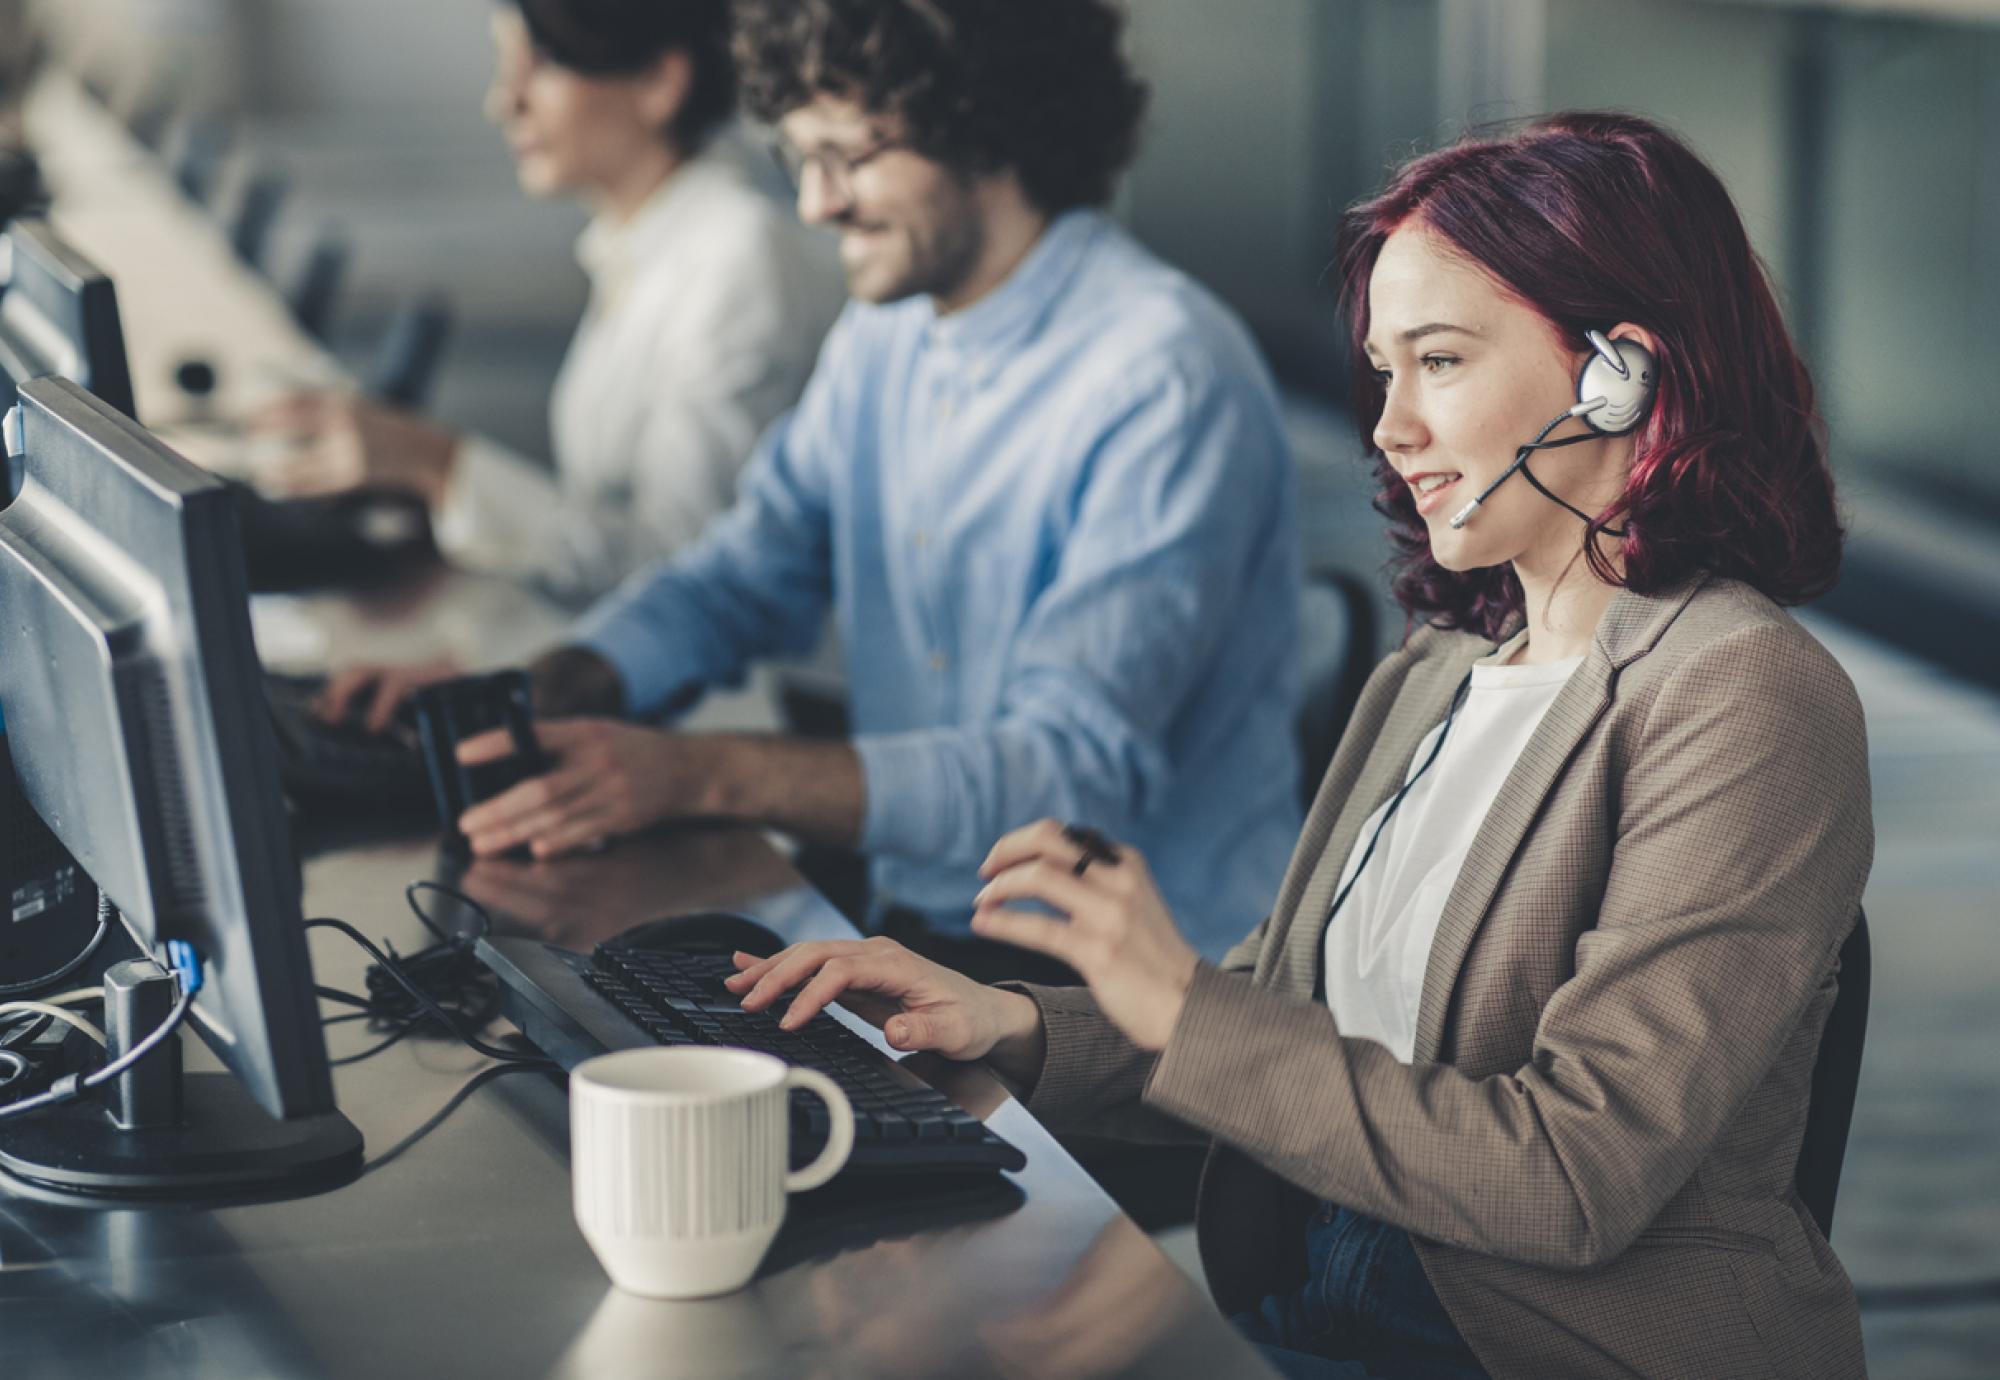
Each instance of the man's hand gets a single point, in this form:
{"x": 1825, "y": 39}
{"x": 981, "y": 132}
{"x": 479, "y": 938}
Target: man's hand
{"x": 379, "y": 691}
{"x": 1118, "y": 935}
{"x": 604, "y": 779}
{"x": 346, "y": 442}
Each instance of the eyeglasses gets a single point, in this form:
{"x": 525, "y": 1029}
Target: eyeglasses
{"x": 836, "y": 166}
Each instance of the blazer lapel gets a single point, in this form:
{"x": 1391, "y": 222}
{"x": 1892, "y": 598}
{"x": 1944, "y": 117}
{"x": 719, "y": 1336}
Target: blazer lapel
{"x": 1630, "y": 626}
{"x": 1417, "y": 710}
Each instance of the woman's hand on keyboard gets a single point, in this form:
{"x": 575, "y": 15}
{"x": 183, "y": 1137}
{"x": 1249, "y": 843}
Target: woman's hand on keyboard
{"x": 917, "y": 1004}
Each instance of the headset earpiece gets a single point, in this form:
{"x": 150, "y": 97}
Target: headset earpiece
{"x": 1616, "y": 385}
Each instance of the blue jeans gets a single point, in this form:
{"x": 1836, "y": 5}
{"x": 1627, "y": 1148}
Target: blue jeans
{"x": 1366, "y": 1310}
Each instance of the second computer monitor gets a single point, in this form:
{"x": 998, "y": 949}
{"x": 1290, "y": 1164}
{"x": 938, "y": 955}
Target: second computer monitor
{"x": 58, "y": 316}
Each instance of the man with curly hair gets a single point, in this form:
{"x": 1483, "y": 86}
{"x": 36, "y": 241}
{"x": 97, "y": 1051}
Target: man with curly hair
{"x": 1038, "y": 476}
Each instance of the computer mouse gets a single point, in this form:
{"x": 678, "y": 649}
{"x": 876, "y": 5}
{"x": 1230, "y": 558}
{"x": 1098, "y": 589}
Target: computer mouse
{"x": 703, "y": 932}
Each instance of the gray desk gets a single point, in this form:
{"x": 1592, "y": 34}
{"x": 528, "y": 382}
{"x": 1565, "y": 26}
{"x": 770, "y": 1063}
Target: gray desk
{"x": 460, "y": 1257}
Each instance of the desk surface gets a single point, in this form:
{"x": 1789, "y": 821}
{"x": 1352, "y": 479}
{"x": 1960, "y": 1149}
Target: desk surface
{"x": 460, "y": 1256}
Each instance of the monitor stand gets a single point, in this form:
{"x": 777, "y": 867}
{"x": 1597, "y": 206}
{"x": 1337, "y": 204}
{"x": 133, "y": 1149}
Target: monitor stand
{"x": 158, "y": 1133}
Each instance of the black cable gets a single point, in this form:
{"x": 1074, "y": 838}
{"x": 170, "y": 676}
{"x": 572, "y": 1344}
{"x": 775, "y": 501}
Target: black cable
{"x": 410, "y": 896}
{"x": 394, "y": 969}
{"x": 347, "y": 998}
{"x": 26, "y": 1029}
{"x": 1451, "y": 713}
{"x": 471, "y": 1085}
{"x": 394, "y": 1037}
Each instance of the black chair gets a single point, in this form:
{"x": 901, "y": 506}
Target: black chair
{"x": 204, "y": 147}
{"x": 406, "y": 362}
{"x": 1836, "y": 1071}
{"x": 315, "y": 295}
{"x": 1337, "y": 629}
{"x": 249, "y": 229}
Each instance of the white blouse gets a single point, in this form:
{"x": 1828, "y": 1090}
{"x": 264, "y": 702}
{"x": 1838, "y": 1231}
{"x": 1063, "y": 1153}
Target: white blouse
{"x": 706, "y": 312}
{"x": 1380, "y": 940}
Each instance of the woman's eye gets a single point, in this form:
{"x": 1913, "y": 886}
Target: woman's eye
{"x": 1436, "y": 363}
{"x": 1384, "y": 376}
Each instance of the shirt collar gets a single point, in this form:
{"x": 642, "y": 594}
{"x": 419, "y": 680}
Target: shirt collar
{"x": 612, "y": 251}
{"x": 1007, "y": 315}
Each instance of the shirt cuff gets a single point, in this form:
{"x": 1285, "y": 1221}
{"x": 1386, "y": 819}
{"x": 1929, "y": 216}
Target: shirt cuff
{"x": 655, "y": 659}
{"x": 490, "y": 492}
{"x": 911, "y": 811}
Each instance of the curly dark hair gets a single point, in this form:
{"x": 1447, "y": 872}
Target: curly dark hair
{"x": 617, "y": 38}
{"x": 1036, "y": 86}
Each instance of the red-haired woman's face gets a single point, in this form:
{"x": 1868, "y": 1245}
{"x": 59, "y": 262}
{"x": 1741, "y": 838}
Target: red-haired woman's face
{"x": 1471, "y": 374}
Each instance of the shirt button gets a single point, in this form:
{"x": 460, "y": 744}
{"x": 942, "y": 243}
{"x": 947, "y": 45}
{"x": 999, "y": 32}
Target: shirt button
{"x": 920, "y": 540}
{"x": 939, "y": 661}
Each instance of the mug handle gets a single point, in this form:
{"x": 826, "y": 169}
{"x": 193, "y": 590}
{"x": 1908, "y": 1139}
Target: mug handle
{"x": 840, "y": 1136}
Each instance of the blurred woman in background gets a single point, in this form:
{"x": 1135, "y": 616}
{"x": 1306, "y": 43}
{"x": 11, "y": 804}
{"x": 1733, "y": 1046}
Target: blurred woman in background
{"x": 707, "y": 305}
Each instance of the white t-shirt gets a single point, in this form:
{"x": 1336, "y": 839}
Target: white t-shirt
{"x": 706, "y": 312}
{"x": 1380, "y": 942}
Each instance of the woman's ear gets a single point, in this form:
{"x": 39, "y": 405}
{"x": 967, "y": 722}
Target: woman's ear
{"x": 1626, "y": 330}
{"x": 664, "y": 88}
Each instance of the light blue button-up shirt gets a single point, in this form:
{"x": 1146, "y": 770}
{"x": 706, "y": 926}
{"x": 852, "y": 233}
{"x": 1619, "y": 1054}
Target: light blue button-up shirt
{"x": 1056, "y": 529}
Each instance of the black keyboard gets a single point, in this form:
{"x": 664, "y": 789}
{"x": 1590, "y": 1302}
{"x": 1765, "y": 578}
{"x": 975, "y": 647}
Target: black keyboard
{"x": 342, "y": 764}
{"x": 900, "y": 1121}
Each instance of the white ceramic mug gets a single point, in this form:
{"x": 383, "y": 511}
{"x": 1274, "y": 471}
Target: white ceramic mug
{"x": 677, "y": 1163}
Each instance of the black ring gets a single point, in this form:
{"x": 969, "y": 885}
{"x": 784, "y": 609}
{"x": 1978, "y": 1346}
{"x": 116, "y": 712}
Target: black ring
{"x": 1096, "y": 847}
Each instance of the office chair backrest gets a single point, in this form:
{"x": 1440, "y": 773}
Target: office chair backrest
{"x": 204, "y": 148}
{"x": 1337, "y": 637}
{"x": 406, "y": 361}
{"x": 250, "y": 229}
{"x": 1835, "y": 1073}
{"x": 315, "y": 295}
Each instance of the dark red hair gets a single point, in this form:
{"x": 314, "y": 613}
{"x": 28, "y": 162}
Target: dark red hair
{"x": 1594, "y": 219}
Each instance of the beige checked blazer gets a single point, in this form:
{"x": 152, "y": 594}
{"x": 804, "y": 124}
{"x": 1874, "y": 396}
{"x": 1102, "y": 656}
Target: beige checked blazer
{"x": 1593, "y": 1150}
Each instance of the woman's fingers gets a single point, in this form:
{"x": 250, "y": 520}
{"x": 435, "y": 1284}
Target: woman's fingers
{"x": 1030, "y": 931}
{"x": 1041, "y": 880}
{"x": 1044, "y": 836}
{"x": 835, "y": 976}
{"x": 943, "y": 1030}
{"x": 749, "y": 968}
{"x": 790, "y": 968}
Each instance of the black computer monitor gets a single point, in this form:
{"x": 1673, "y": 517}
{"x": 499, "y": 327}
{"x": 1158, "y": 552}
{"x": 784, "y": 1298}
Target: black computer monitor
{"x": 140, "y": 732}
{"x": 58, "y": 315}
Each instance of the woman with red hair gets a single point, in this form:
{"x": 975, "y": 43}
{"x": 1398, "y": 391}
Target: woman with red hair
{"x": 1512, "y": 1080}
